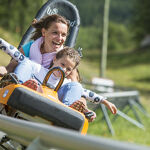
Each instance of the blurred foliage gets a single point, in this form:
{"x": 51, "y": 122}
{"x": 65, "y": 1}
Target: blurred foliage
{"x": 141, "y": 19}
{"x": 91, "y": 11}
{"x": 17, "y": 15}
{"x": 127, "y": 19}
{"x": 119, "y": 38}
{"x": 89, "y": 37}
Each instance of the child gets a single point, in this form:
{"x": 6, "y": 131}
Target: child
{"x": 67, "y": 59}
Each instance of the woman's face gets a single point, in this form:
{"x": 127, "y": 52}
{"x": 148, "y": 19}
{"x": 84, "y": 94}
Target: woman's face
{"x": 54, "y": 37}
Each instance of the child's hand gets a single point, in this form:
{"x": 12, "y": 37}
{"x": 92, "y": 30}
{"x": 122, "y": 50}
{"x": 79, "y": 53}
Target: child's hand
{"x": 90, "y": 118}
{"x": 93, "y": 117}
{"x": 110, "y": 106}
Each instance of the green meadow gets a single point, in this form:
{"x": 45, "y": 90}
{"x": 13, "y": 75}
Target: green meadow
{"x": 126, "y": 69}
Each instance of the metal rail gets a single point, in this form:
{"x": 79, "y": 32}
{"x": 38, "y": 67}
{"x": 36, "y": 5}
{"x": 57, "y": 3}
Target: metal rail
{"x": 123, "y": 99}
{"x": 44, "y": 136}
{"x": 121, "y": 94}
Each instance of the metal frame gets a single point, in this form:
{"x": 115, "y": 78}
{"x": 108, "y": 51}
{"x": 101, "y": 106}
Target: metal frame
{"x": 122, "y": 98}
{"x": 37, "y": 135}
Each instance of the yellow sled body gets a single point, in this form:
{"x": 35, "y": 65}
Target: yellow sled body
{"x": 45, "y": 105}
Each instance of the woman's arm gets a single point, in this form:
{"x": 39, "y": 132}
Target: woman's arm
{"x": 10, "y": 67}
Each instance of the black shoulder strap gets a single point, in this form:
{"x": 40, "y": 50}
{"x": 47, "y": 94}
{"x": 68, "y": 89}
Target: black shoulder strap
{"x": 61, "y": 7}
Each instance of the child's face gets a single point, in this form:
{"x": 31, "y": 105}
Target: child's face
{"x": 66, "y": 63}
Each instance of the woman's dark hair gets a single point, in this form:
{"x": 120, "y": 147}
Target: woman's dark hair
{"x": 46, "y": 23}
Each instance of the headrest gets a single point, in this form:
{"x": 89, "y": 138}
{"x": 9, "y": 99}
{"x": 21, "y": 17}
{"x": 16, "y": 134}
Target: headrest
{"x": 63, "y": 8}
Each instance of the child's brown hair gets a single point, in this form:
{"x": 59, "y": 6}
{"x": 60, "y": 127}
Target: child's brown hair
{"x": 71, "y": 52}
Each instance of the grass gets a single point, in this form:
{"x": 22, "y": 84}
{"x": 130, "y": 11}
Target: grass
{"x": 13, "y": 39}
{"x": 124, "y": 130}
{"x": 127, "y": 69}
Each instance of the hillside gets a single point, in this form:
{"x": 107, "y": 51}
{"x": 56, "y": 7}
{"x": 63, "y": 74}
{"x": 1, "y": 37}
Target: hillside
{"x": 129, "y": 69}
{"x": 13, "y": 39}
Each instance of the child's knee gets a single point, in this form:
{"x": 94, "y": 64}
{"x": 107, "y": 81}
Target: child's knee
{"x": 74, "y": 85}
{"x": 70, "y": 92}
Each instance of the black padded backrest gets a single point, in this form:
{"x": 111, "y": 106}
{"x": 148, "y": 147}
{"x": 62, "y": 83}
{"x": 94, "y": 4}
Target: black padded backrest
{"x": 63, "y": 8}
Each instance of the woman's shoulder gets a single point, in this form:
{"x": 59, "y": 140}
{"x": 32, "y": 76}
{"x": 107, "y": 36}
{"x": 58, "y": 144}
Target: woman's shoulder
{"x": 26, "y": 48}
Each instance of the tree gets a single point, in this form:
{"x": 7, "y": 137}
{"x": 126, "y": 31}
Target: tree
{"x": 17, "y": 15}
{"x": 141, "y": 20}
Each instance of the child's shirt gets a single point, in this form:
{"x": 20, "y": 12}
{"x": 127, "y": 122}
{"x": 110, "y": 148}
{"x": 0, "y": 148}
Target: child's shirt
{"x": 30, "y": 70}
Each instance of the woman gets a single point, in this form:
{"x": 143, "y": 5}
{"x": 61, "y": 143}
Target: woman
{"x": 49, "y": 37}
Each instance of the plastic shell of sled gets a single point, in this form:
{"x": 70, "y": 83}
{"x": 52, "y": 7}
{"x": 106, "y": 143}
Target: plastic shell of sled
{"x": 45, "y": 105}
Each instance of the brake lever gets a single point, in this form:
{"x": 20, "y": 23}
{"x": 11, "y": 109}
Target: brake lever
{"x": 89, "y": 114}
